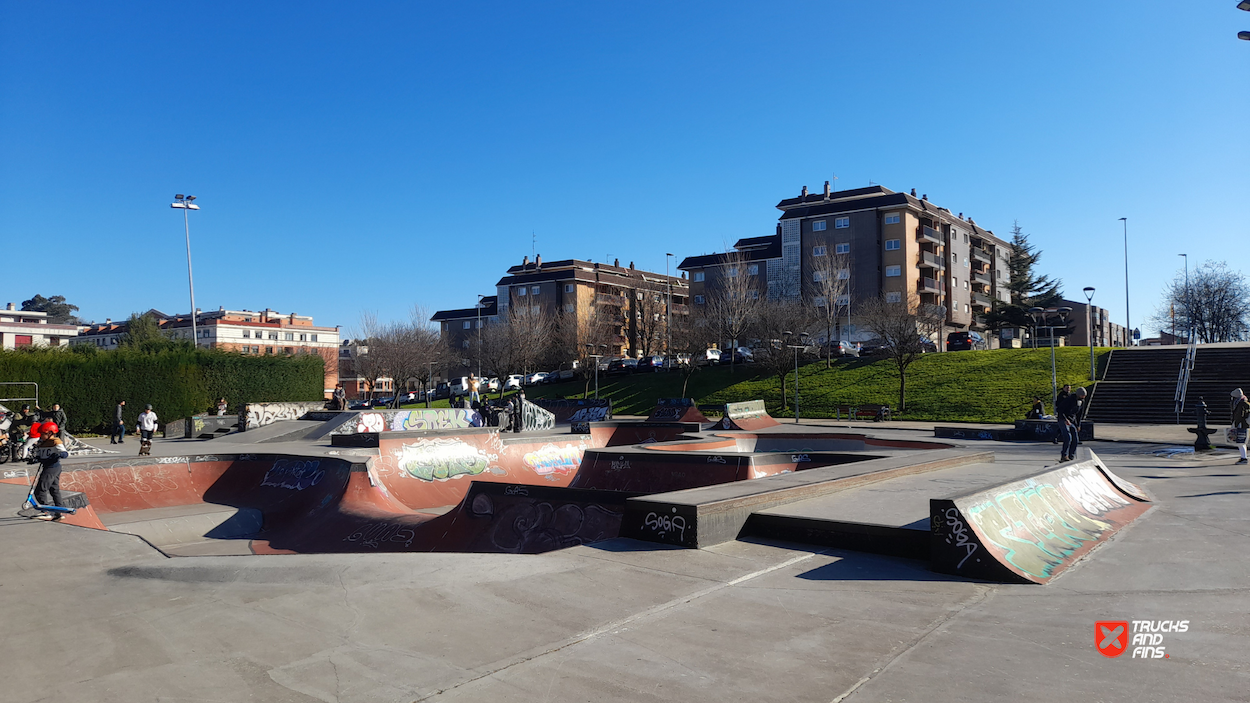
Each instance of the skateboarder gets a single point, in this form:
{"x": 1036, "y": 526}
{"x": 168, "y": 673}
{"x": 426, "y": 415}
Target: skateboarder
{"x": 1068, "y": 412}
{"x": 146, "y": 427}
{"x": 49, "y": 453}
{"x": 1241, "y": 419}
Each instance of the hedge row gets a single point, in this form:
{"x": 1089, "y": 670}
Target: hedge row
{"x": 177, "y": 382}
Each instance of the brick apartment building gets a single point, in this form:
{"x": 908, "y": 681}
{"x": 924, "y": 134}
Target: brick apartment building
{"x": 893, "y": 244}
{"x": 1105, "y": 332}
{"x": 22, "y": 328}
{"x": 573, "y": 286}
{"x": 242, "y": 331}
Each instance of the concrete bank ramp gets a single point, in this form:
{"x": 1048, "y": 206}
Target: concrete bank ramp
{"x": 986, "y": 521}
{"x": 750, "y": 415}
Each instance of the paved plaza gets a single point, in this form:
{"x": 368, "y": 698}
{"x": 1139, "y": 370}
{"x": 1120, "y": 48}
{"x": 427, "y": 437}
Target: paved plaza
{"x": 91, "y": 615}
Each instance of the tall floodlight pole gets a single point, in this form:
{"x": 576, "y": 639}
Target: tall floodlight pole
{"x": 668, "y": 308}
{"x": 1128, "y": 327}
{"x": 479, "y": 337}
{"x": 596, "y": 358}
{"x": 185, "y": 202}
{"x": 1089, "y": 310}
{"x": 796, "y": 348}
{"x": 1188, "y": 310}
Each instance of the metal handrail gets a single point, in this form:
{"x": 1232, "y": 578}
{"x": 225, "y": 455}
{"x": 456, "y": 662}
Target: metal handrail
{"x": 1182, "y": 381}
{"x": 22, "y": 383}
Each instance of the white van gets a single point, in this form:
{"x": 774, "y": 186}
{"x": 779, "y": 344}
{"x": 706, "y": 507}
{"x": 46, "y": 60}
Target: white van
{"x": 459, "y": 386}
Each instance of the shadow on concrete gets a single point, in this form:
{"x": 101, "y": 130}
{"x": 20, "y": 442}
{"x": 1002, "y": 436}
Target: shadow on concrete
{"x": 1217, "y": 493}
{"x": 624, "y": 544}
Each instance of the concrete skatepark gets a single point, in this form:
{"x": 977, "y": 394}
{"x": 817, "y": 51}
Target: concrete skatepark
{"x": 795, "y": 591}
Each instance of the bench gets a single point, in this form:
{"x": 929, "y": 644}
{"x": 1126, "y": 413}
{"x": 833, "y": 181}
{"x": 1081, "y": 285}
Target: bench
{"x": 876, "y": 413}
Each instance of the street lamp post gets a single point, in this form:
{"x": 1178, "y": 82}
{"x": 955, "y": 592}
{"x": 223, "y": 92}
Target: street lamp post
{"x": 479, "y": 336}
{"x": 796, "y": 348}
{"x": 1041, "y": 316}
{"x": 596, "y": 358}
{"x": 1128, "y": 327}
{"x": 186, "y": 202}
{"x": 668, "y": 310}
{"x": 1089, "y": 310}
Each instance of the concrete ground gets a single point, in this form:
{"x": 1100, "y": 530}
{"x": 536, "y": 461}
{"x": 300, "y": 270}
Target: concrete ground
{"x": 97, "y": 616}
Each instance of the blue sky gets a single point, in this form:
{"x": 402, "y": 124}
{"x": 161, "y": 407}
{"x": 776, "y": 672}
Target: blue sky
{"x": 376, "y": 156}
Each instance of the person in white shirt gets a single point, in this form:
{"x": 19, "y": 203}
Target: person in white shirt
{"x": 147, "y": 423}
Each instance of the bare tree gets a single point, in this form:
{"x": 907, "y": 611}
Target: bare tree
{"x": 733, "y": 300}
{"x": 780, "y": 323}
{"x": 692, "y": 335}
{"x": 579, "y": 335}
{"x": 1216, "y": 305}
{"x": 405, "y": 351}
{"x": 829, "y": 290}
{"x": 649, "y": 322}
{"x": 368, "y": 366}
{"x": 899, "y": 327}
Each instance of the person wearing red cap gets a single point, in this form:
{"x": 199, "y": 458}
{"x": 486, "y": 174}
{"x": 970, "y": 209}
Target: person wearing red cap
{"x": 36, "y": 433}
{"x": 49, "y": 453}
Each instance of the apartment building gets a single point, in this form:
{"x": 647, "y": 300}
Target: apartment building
{"x": 758, "y": 258}
{"x": 1105, "y": 332}
{"x": 888, "y": 244}
{"x": 23, "y": 328}
{"x": 242, "y": 331}
{"x": 459, "y": 330}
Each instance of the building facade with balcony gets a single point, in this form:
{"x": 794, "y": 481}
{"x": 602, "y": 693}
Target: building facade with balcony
{"x": 459, "y": 330}
{"x": 24, "y": 328}
{"x": 263, "y": 332}
{"x": 885, "y": 244}
{"x": 1105, "y": 332}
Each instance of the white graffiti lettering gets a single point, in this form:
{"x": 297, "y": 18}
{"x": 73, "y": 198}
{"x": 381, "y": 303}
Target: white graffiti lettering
{"x": 294, "y": 475}
{"x": 959, "y": 535}
{"x": 666, "y": 524}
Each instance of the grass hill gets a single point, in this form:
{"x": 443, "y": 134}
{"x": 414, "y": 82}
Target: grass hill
{"x": 971, "y": 386}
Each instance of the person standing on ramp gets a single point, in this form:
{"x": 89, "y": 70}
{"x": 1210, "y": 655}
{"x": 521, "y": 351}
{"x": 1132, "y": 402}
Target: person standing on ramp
{"x": 49, "y": 453}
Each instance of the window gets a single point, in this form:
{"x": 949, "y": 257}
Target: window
{"x": 841, "y": 222}
{"x": 521, "y": 291}
{"x": 698, "y": 300}
{"x": 893, "y": 297}
{"x": 965, "y": 284}
{"x": 698, "y": 276}
{"x": 843, "y": 248}
{"x": 893, "y": 245}
{"x": 892, "y": 271}
{"x": 818, "y": 276}
{"x": 535, "y": 309}
{"x": 312, "y": 338}
{"x": 818, "y": 251}
{"x": 954, "y": 258}
{"x": 753, "y": 270}
{"x": 819, "y": 301}
{"x": 818, "y": 226}
{"x": 288, "y": 336}
{"x": 273, "y": 336}
{"x": 268, "y": 350}
{"x": 534, "y": 290}
{"x": 965, "y": 237}
{"x": 891, "y": 218}
{"x": 246, "y": 334}
{"x": 465, "y": 344}
{"x": 568, "y": 287}
{"x": 568, "y": 307}
{"x": 478, "y": 324}
{"x": 844, "y": 274}
{"x": 468, "y": 324}
{"x": 955, "y": 281}
{"x": 754, "y": 295}
{"x": 844, "y": 300}
{"x": 303, "y": 338}
{"x": 732, "y": 271}
{"x": 965, "y": 307}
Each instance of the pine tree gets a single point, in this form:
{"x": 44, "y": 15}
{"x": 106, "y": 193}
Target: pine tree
{"x": 1027, "y": 288}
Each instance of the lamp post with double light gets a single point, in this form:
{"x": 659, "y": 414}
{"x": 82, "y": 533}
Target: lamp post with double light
{"x": 802, "y": 337}
{"x": 185, "y": 203}
{"x": 1089, "y": 309}
{"x": 1047, "y": 317}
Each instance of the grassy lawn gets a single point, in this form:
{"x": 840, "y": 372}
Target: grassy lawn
{"x": 972, "y": 386}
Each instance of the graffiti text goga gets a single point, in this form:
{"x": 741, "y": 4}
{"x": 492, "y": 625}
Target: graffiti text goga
{"x": 666, "y": 524}
{"x": 959, "y": 535}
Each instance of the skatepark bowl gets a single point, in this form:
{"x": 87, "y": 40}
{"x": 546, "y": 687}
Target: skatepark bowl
{"x": 469, "y": 489}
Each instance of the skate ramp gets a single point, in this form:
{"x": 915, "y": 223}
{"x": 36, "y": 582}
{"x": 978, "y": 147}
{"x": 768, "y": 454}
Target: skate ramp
{"x": 749, "y": 415}
{"x": 578, "y": 410}
{"x": 676, "y": 410}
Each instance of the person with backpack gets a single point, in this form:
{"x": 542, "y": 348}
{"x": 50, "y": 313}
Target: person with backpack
{"x": 1241, "y": 420}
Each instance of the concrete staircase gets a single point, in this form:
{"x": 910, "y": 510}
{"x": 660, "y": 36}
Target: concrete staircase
{"x": 1140, "y": 384}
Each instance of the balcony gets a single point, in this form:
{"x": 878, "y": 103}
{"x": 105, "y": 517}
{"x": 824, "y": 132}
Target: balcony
{"x": 982, "y": 278}
{"x": 932, "y": 261}
{"x": 981, "y": 299}
{"x": 928, "y": 234}
{"x": 606, "y": 299}
{"x": 929, "y": 285}
{"x": 981, "y": 255}
{"x": 681, "y": 309}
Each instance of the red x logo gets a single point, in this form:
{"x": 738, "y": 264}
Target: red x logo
{"x": 1111, "y": 637}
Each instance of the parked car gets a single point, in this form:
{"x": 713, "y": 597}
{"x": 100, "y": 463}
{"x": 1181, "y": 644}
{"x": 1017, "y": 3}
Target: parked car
{"x": 840, "y": 348}
{"x": 622, "y": 366}
{"x": 361, "y": 404}
{"x": 741, "y": 355}
{"x": 707, "y": 357}
{"x": 383, "y": 402}
{"x": 965, "y": 341}
{"x": 489, "y": 384}
{"x": 459, "y": 386}
{"x": 535, "y": 378}
{"x": 650, "y": 363}
{"x": 513, "y": 382}
{"x": 441, "y": 391}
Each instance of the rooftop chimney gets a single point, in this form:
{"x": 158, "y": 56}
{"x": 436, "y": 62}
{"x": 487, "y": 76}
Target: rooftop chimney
{"x": 11, "y": 306}
{"x": 538, "y": 260}
{"x": 826, "y": 190}
{"x": 961, "y": 216}
{"x": 616, "y": 263}
{"x": 525, "y": 261}
{"x": 913, "y": 192}
{"x": 631, "y": 266}
{"x": 971, "y": 221}
{"x": 108, "y": 320}
{"x": 925, "y": 197}
{"x": 804, "y": 193}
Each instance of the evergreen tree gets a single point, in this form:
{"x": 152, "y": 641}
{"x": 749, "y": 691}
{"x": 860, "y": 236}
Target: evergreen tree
{"x": 1025, "y": 287}
{"x": 59, "y": 311}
